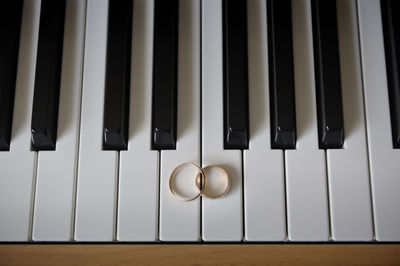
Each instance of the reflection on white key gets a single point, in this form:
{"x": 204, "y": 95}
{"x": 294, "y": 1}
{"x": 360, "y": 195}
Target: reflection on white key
{"x": 180, "y": 221}
{"x": 264, "y": 191}
{"x": 56, "y": 169}
{"x": 17, "y": 166}
{"x": 222, "y": 218}
{"x": 97, "y": 169}
{"x": 348, "y": 173}
{"x": 384, "y": 160}
{"x": 138, "y": 180}
{"x": 307, "y": 207}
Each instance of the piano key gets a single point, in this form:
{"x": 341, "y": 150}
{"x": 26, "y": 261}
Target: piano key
{"x": 263, "y": 182}
{"x": 17, "y": 167}
{"x": 383, "y": 159}
{"x": 10, "y": 27}
{"x": 95, "y": 212}
{"x": 236, "y": 109}
{"x": 180, "y": 221}
{"x": 327, "y": 75}
{"x": 281, "y": 79}
{"x": 165, "y": 74}
{"x": 391, "y": 35}
{"x": 48, "y": 73}
{"x": 118, "y": 64}
{"x": 222, "y": 218}
{"x": 306, "y": 188}
{"x": 348, "y": 173}
{"x": 139, "y": 170}
{"x": 56, "y": 170}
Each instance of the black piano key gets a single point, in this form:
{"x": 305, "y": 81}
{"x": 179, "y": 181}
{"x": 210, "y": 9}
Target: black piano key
{"x": 10, "y": 27}
{"x": 327, "y": 74}
{"x": 391, "y": 36}
{"x": 281, "y": 74}
{"x": 236, "y": 109}
{"x": 118, "y": 73}
{"x": 48, "y": 75}
{"x": 165, "y": 60}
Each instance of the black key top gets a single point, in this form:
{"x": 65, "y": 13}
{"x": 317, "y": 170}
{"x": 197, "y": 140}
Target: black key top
{"x": 281, "y": 74}
{"x": 118, "y": 74}
{"x": 391, "y": 35}
{"x": 327, "y": 74}
{"x": 165, "y": 61}
{"x": 10, "y": 27}
{"x": 236, "y": 99}
{"x": 48, "y": 75}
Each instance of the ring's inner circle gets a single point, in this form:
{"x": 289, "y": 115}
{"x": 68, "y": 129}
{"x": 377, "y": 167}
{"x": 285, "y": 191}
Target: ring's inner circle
{"x": 217, "y": 182}
{"x": 184, "y": 183}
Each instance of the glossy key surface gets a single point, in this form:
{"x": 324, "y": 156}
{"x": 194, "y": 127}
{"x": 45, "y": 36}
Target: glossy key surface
{"x": 48, "y": 75}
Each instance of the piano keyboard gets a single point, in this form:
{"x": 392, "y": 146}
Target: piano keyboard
{"x": 299, "y": 101}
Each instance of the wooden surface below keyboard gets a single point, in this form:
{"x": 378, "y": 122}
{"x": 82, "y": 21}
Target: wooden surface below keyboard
{"x": 202, "y": 254}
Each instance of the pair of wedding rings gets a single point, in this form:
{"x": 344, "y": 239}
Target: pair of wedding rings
{"x": 204, "y": 186}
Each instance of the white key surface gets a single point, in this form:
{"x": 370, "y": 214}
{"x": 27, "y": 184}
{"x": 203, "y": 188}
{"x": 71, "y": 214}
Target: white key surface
{"x": 383, "y": 159}
{"x": 180, "y": 221}
{"x": 306, "y": 188}
{"x": 56, "y": 170}
{"x": 138, "y": 180}
{"x": 264, "y": 190}
{"x": 222, "y": 218}
{"x": 97, "y": 169}
{"x": 348, "y": 173}
{"x": 17, "y": 166}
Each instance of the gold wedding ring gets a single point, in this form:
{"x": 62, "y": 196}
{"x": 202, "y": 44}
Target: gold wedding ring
{"x": 172, "y": 177}
{"x": 200, "y": 182}
{"x": 203, "y": 187}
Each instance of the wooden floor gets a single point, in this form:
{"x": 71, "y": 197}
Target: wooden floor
{"x": 202, "y": 254}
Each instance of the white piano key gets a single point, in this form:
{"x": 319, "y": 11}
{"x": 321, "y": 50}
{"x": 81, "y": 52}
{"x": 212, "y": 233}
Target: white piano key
{"x": 264, "y": 190}
{"x": 138, "y": 180}
{"x": 221, "y": 218}
{"x": 180, "y": 221}
{"x": 97, "y": 169}
{"x": 55, "y": 178}
{"x": 306, "y": 188}
{"x": 17, "y": 166}
{"x": 348, "y": 173}
{"x": 383, "y": 159}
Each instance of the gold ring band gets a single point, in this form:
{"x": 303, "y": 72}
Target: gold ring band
{"x": 199, "y": 188}
{"x": 202, "y": 186}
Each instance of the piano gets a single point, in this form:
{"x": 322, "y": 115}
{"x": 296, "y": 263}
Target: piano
{"x": 298, "y": 101}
